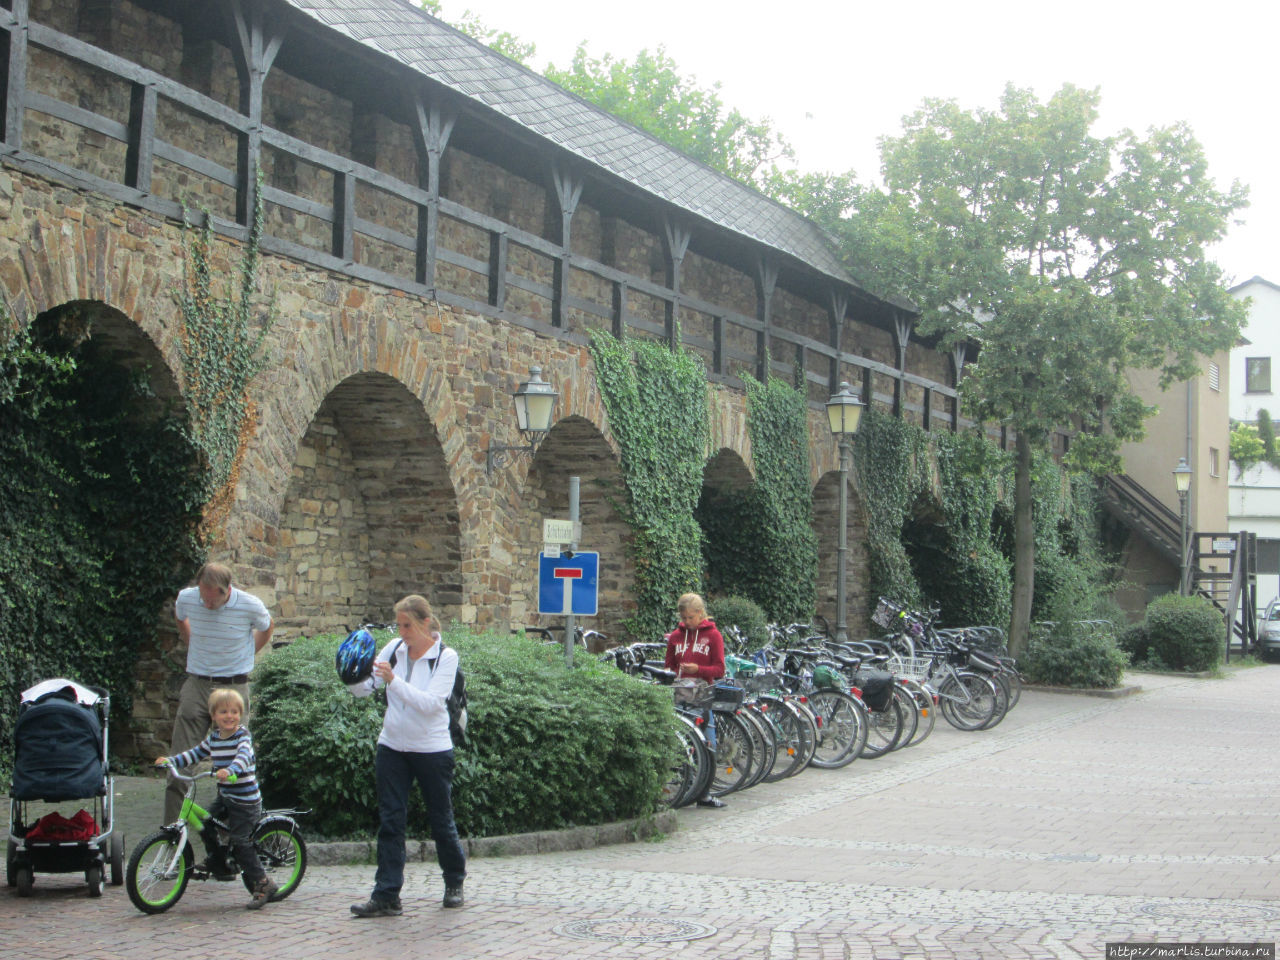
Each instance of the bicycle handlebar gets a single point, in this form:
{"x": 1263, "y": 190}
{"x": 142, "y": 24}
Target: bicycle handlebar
{"x": 173, "y": 772}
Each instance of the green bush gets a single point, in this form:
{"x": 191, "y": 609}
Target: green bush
{"x": 1072, "y": 655}
{"x": 1136, "y": 642}
{"x": 742, "y": 613}
{"x": 1184, "y": 633}
{"x": 548, "y": 747}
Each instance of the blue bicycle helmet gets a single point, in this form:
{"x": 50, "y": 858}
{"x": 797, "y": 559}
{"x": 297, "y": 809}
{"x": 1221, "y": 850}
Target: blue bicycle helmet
{"x": 354, "y": 658}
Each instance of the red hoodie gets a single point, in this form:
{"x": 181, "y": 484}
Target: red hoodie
{"x": 703, "y": 646}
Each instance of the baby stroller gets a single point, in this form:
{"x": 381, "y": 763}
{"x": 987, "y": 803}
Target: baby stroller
{"x": 60, "y": 753}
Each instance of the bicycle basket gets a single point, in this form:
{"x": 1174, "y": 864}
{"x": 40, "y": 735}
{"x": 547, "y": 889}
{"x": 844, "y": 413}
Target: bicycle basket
{"x": 727, "y": 695}
{"x": 886, "y": 613}
{"x": 692, "y": 693}
{"x": 916, "y": 668}
{"x": 825, "y": 678}
{"x": 739, "y": 666}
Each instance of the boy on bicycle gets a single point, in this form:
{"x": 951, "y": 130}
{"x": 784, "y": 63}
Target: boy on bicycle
{"x": 239, "y": 802}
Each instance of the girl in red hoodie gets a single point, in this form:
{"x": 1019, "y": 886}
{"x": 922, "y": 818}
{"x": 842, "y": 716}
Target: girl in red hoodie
{"x": 695, "y": 649}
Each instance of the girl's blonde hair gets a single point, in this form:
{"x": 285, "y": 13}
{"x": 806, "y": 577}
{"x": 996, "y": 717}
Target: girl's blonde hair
{"x": 418, "y": 608}
{"x": 224, "y": 696}
{"x": 691, "y": 603}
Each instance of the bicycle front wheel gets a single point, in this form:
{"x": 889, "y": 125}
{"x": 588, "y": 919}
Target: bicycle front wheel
{"x": 733, "y": 754}
{"x": 968, "y": 700}
{"x": 884, "y": 729}
{"x": 157, "y": 876}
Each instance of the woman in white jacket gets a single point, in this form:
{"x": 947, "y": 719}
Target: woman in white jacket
{"x": 418, "y": 672}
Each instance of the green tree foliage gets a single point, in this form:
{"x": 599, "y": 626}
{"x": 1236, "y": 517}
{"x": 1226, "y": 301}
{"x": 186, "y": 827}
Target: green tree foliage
{"x": 1068, "y": 256}
{"x": 97, "y": 513}
{"x": 651, "y": 93}
{"x": 1267, "y": 434}
{"x": 1247, "y": 447}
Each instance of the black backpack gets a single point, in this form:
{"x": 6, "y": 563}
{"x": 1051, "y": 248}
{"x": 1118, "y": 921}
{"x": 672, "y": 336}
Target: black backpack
{"x": 457, "y": 702}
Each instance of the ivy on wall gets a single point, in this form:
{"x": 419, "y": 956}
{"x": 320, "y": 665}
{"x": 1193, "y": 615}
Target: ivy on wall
{"x": 657, "y": 403}
{"x": 98, "y": 512}
{"x": 760, "y": 542}
{"x": 221, "y": 352}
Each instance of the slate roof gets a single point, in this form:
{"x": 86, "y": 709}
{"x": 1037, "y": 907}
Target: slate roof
{"x": 407, "y": 34}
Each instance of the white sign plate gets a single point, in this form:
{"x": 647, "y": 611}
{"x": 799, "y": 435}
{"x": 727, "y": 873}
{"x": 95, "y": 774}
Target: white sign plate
{"x": 1224, "y": 546}
{"x": 561, "y": 531}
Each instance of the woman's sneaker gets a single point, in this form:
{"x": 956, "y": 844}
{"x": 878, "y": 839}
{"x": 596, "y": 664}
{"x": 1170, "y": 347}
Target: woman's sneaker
{"x": 262, "y": 894}
{"x": 376, "y": 908}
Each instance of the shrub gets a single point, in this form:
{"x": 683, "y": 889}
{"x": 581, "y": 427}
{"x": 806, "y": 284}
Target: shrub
{"x": 742, "y": 613}
{"x": 1185, "y": 633}
{"x": 1073, "y": 655}
{"x": 547, "y": 747}
{"x": 1136, "y": 642}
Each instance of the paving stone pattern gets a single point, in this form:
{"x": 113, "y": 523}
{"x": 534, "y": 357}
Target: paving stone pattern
{"x": 1076, "y": 822}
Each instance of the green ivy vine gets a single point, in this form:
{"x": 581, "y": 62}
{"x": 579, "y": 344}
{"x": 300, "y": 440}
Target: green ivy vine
{"x": 657, "y": 403}
{"x": 221, "y": 352}
{"x": 760, "y": 542}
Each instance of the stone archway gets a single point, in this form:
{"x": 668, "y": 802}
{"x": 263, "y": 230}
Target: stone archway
{"x": 575, "y": 447}
{"x": 369, "y": 515}
{"x": 726, "y": 487}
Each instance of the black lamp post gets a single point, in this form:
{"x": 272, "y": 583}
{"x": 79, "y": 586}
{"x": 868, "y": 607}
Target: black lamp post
{"x": 844, "y": 413}
{"x": 535, "y": 406}
{"x": 1182, "y": 481}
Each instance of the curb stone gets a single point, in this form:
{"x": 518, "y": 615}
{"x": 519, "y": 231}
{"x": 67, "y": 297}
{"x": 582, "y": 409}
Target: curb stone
{"x": 515, "y": 844}
{"x": 1112, "y": 693}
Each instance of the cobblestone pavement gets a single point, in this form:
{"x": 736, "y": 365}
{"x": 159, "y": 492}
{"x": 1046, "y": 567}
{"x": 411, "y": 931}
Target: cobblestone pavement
{"x": 1076, "y": 822}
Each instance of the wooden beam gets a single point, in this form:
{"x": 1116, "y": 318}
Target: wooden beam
{"x": 431, "y": 135}
{"x": 498, "y": 270}
{"x": 839, "y": 310}
{"x": 766, "y": 279}
{"x": 568, "y": 191}
{"x": 13, "y": 73}
{"x": 255, "y": 51}
{"x": 139, "y": 153}
{"x": 675, "y": 236}
{"x": 344, "y": 215}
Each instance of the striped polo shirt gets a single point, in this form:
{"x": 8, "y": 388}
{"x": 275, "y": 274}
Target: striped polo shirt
{"x": 221, "y": 640}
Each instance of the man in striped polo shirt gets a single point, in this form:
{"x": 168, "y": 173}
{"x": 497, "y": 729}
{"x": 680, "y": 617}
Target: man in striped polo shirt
{"x": 223, "y": 627}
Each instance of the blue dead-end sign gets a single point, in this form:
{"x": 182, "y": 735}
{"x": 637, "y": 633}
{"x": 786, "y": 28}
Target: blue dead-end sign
{"x": 568, "y": 584}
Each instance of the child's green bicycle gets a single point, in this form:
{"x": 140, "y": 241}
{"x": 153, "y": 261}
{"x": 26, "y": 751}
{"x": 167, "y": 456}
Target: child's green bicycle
{"x": 163, "y": 863}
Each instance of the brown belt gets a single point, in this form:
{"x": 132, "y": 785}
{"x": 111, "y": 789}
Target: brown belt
{"x": 237, "y": 679}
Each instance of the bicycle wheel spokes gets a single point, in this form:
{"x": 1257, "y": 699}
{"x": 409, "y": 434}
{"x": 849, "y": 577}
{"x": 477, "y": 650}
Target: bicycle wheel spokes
{"x": 157, "y": 874}
{"x": 732, "y": 754}
{"x": 842, "y": 730}
{"x": 968, "y": 700}
{"x": 884, "y": 729}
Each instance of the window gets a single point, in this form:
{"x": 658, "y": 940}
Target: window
{"x": 1213, "y": 461}
{"x": 1215, "y": 380}
{"x": 1257, "y": 374}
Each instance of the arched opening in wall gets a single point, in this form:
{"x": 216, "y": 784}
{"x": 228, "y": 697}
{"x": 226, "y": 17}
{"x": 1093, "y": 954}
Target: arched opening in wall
{"x": 575, "y": 448}
{"x": 723, "y": 511}
{"x": 968, "y": 581}
{"x": 101, "y": 505}
{"x": 826, "y": 522}
{"x": 370, "y": 514}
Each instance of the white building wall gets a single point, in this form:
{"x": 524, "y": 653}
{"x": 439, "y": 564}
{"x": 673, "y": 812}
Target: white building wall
{"x": 1254, "y": 497}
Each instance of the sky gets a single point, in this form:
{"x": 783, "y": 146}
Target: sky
{"x": 833, "y": 76}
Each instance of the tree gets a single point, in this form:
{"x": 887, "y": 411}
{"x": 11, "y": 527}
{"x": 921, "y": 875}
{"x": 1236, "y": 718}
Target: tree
{"x": 650, "y": 93}
{"x": 1067, "y": 256}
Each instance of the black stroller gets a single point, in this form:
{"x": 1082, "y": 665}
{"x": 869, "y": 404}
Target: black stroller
{"x": 60, "y": 754}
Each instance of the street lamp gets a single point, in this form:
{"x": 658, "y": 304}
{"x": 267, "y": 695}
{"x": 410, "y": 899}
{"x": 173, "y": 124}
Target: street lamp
{"x": 1182, "y": 481}
{"x": 535, "y": 406}
{"x": 844, "y": 413}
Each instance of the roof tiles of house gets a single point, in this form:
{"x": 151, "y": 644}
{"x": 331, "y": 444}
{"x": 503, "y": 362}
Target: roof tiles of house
{"x": 449, "y": 57}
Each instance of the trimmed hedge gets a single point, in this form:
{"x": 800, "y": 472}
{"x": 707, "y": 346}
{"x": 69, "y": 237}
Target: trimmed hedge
{"x": 1183, "y": 633}
{"x": 548, "y": 747}
{"x": 742, "y": 613}
{"x": 1073, "y": 656}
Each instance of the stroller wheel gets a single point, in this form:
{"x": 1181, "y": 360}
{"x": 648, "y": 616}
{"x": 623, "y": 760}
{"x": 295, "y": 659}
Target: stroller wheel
{"x": 93, "y": 876}
{"x": 24, "y": 881}
{"x": 10, "y": 864}
{"x": 117, "y": 859}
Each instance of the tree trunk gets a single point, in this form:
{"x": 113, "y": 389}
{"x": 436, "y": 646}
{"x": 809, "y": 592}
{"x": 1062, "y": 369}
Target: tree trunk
{"x": 1024, "y": 548}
